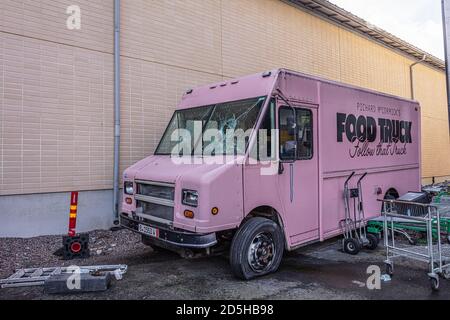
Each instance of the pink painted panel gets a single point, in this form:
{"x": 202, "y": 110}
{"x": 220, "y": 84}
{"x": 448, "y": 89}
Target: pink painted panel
{"x": 379, "y": 117}
{"x": 333, "y": 191}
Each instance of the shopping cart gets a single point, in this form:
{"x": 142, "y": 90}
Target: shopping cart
{"x": 411, "y": 230}
{"x": 427, "y": 217}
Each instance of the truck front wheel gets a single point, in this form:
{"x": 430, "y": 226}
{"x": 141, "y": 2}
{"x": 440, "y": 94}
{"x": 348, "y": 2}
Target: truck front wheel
{"x": 257, "y": 249}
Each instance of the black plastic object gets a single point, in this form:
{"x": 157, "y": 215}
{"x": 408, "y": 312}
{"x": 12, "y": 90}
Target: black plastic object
{"x": 412, "y": 210}
{"x": 354, "y": 193}
{"x": 68, "y": 283}
{"x": 417, "y": 197}
{"x": 177, "y": 238}
{"x": 76, "y": 247}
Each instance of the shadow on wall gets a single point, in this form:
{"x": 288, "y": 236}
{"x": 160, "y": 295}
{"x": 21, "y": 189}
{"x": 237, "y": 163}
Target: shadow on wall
{"x": 33, "y": 215}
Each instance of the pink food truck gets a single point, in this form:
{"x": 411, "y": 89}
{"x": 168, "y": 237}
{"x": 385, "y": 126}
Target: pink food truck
{"x": 276, "y": 183}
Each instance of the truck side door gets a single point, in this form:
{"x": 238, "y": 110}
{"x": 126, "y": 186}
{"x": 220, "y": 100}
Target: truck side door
{"x": 298, "y": 178}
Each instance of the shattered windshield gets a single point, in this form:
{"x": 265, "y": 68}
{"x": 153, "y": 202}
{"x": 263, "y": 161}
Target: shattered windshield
{"x": 221, "y": 129}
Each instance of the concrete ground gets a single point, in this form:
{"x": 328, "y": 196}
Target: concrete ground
{"x": 317, "y": 272}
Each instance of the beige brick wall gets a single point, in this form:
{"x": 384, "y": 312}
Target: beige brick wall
{"x": 431, "y": 92}
{"x": 56, "y": 85}
{"x": 46, "y": 20}
{"x": 56, "y": 97}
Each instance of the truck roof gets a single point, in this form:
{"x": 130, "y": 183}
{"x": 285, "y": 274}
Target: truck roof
{"x": 256, "y": 85}
{"x": 346, "y": 85}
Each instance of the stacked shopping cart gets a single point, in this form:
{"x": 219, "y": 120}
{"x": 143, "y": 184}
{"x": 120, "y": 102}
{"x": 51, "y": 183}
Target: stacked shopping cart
{"x": 431, "y": 222}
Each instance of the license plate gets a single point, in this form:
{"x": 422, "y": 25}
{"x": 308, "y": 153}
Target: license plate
{"x": 149, "y": 231}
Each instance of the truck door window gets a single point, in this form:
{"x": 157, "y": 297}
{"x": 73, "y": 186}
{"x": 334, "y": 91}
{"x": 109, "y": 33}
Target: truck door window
{"x": 305, "y": 134}
{"x": 288, "y": 130}
{"x": 296, "y": 134}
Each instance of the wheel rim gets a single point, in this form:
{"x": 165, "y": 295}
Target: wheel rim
{"x": 350, "y": 246}
{"x": 262, "y": 252}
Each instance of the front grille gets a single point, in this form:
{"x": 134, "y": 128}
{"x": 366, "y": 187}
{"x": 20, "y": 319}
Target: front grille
{"x": 155, "y": 210}
{"x": 160, "y": 190}
{"x": 155, "y": 201}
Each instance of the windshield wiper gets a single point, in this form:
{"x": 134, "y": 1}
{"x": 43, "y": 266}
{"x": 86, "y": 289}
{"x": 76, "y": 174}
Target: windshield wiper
{"x": 209, "y": 116}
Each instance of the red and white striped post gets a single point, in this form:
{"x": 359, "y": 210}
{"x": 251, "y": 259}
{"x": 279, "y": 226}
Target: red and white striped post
{"x": 73, "y": 214}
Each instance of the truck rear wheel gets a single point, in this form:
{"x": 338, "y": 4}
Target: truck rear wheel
{"x": 257, "y": 249}
{"x": 146, "y": 241}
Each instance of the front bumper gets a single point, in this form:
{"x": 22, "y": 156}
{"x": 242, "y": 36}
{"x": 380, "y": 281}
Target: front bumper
{"x": 171, "y": 237}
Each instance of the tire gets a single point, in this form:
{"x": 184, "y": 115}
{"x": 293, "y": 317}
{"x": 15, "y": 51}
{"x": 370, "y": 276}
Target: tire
{"x": 157, "y": 249}
{"x": 379, "y": 236}
{"x": 434, "y": 284}
{"x": 146, "y": 242}
{"x": 373, "y": 241}
{"x": 389, "y": 270}
{"x": 352, "y": 246}
{"x": 257, "y": 249}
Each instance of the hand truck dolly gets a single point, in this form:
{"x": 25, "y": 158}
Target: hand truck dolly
{"x": 353, "y": 226}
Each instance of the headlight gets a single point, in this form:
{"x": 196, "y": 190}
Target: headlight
{"x": 190, "y": 198}
{"x": 129, "y": 188}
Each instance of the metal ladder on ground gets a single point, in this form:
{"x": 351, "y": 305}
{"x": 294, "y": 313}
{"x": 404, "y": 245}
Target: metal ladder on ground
{"x": 38, "y": 276}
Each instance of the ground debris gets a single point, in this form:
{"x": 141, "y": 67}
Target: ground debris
{"x": 16, "y": 253}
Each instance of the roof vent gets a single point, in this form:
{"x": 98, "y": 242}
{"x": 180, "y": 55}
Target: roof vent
{"x": 267, "y": 74}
